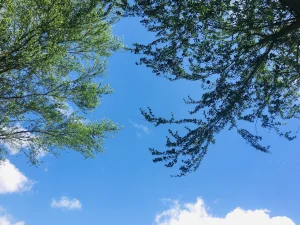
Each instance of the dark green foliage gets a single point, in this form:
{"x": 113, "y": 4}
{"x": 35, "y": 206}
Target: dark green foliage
{"x": 244, "y": 54}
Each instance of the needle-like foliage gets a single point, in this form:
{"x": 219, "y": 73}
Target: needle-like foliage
{"x": 244, "y": 54}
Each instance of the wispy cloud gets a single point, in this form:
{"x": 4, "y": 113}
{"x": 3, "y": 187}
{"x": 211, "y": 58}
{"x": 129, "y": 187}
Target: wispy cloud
{"x": 140, "y": 127}
{"x": 12, "y": 180}
{"x": 196, "y": 214}
{"x": 217, "y": 200}
{"x": 66, "y": 203}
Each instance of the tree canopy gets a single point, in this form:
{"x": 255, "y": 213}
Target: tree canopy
{"x": 244, "y": 54}
{"x": 52, "y": 55}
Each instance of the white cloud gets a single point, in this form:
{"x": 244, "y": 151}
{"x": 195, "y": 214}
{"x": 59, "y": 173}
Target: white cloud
{"x": 66, "y": 203}
{"x": 12, "y": 180}
{"x": 19, "y": 141}
{"x": 196, "y": 214}
{"x": 141, "y": 127}
{"x": 6, "y": 219}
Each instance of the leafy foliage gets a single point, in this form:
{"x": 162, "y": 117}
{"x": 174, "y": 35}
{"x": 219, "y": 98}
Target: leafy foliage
{"x": 52, "y": 54}
{"x": 244, "y": 53}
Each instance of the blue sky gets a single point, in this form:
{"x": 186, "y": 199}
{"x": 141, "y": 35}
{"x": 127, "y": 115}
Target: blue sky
{"x": 234, "y": 184}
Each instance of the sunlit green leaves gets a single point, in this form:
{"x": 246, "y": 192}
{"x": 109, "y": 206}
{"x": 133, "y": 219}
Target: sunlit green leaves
{"x": 52, "y": 54}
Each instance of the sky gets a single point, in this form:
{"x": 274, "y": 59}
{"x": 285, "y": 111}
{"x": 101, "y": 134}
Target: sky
{"x": 234, "y": 185}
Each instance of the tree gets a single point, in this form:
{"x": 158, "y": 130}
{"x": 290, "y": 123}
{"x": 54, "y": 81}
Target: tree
{"x": 53, "y": 54}
{"x": 245, "y": 55}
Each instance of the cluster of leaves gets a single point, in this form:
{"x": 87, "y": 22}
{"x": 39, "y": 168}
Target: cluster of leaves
{"x": 52, "y": 53}
{"x": 244, "y": 54}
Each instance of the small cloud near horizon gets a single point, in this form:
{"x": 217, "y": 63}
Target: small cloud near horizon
{"x": 197, "y": 213}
